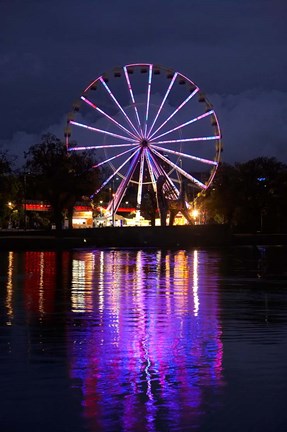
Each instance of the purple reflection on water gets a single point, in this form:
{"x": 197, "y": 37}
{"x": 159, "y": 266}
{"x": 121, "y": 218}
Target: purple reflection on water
{"x": 144, "y": 338}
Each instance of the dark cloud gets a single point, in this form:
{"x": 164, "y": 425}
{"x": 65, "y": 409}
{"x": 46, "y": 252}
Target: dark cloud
{"x": 253, "y": 124}
{"x": 234, "y": 50}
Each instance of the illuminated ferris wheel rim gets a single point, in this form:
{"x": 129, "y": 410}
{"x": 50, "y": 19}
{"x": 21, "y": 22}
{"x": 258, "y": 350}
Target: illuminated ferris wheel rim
{"x": 143, "y": 140}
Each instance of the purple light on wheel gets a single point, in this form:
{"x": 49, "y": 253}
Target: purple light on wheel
{"x": 148, "y": 98}
{"x": 87, "y": 101}
{"x": 132, "y": 97}
{"x": 97, "y": 147}
{"x": 180, "y": 170}
{"x": 163, "y": 102}
{"x": 158, "y": 169}
{"x": 114, "y": 204}
{"x": 208, "y": 138}
{"x": 118, "y": 105}
{"x": 111, "y": 158}
{"x": 138, "y": 64}
{"x": 100, "y": 130}
{"x": 177, "y": 153}
{"x": 151, "y": 162}
{"x": 140, "y": 186}
{"x": 150, "y": 169}
{"x": 184, "y": 124}
{"x": 175, "y": 111}
{"x": 114, "y": 173}
{"x": 161, "y": 171}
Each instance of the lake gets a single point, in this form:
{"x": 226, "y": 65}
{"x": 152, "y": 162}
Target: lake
{"x": 144, "y": 340}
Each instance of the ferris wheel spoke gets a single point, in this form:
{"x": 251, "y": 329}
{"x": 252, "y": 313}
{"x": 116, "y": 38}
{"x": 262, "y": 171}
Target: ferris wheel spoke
{"x": 114, "y": 173}
{"x": 98, "y": 147}
{"x": 175, "y": 111}
{"x": 207, "y": 138}
{"x": 180, "y": 170}
{"x": 158, "y": 168}
{"x": 150, "y": 169}
{"x": 154, "y": 165}
{"x": 133, "y": 99}
{"x": 195, "y": 119}
{"x": 114, "y": 204}
{"x": 102, "y": 131}
{"x": 140, "y": 183}
{"x": 162, "y": 103}
{"x": 119, "y": 106}
{"x": 177, "y": 153}
{"x": 88, "y": 102}
{"x": 111, "y": 158}
{"x": 173, "y": 190}
{"x": 148, "y": 99}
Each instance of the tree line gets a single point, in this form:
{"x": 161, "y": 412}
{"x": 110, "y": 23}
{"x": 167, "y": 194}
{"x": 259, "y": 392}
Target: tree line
{"x": 249, "y": 196}
{"x": 49, "y": 174}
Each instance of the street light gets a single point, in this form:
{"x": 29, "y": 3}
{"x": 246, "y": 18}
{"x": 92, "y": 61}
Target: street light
{"x": 195, "y": 214}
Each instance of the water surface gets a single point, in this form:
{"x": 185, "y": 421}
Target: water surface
{"x": 144, "y": 340}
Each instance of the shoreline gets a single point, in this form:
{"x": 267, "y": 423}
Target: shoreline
{"x": 174, "y": 237}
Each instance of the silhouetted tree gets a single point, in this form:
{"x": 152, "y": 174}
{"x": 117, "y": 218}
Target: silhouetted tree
{"x": 7, "y": 188}
{"x": 149, "y": 205}
{"x": 220, "y": 201}
{"x": 249, "y": 196}
{"x": 59, "y": 177}
{"x": 261, "y": 193}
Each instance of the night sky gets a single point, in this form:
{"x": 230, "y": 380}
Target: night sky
{"x": 234, "y": 50}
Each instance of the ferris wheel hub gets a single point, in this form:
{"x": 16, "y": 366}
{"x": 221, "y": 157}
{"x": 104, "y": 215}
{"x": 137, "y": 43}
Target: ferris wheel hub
{"x": 144, "y": 143}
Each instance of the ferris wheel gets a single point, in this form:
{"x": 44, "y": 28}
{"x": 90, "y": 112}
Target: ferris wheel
{"x": 145, "y": 121}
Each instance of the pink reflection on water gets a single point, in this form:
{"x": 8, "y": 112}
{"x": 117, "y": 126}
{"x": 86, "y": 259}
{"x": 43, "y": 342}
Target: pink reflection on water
{"x": 39, "y": 283}
{"x": 149, "y": 341}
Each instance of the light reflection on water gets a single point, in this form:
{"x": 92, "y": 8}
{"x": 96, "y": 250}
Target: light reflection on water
{"x": 151, "y": 340}
{"x": 140, "y": 340}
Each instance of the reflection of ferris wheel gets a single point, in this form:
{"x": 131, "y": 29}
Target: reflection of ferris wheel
{"x": 146, "y": 121}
